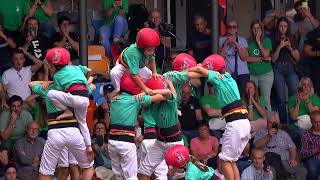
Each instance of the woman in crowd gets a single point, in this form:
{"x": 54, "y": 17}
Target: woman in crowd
{"x": 285, "y": 56}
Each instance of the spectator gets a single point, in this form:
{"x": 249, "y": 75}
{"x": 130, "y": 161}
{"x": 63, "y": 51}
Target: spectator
{"x": 312, "y": 51}
{"x": 68, "y": 40}
{"x": 234, "y": 49}
{"x": 190, "y": 113}
{"x": 33, "y": 40}
{"x": 27, "y": 152}
{"x": 302, "y": 104}
{"x": 6, "y": 45}
{"x": 11, "y": 172}
{"x": 199, "y": 42}
{"x": 14, "y": 122}
{"x": 310, "y": 150}
{"x": 42, "y": 10}
{"x": 12, "y": 13}
{"x": 285, "y": 56}
{"x": 259, "y": 61}
{"x": 115, "y": 23}
{"x": 257, "y": 170}
{"x": 256, "y": 107}
{"x": 4, "y": 159}
{"x": 205, "y": 146}
{"x": 277, "y": 142}
{"x": 269, "y": 22}
{"x": 16, "y": 79}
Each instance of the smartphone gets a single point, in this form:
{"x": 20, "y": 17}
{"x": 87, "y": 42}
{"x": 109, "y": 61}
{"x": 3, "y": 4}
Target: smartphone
{"x": 275, "y": 125}
{"x": 99, "y": 140}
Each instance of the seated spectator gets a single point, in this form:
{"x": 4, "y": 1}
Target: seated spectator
{"x": 6, "y": 45}
{"x": 257, "y": 170}
{"x": 278, "y": 145}
{"x": 33, "y": 41}
{"x": 66, "y": 39}
{"x": 205, "y": 146}
{"x": 190, "y": 113}
{"x": 244, "y": 161}
{"x": 4, "y": 159}
{"x": 302, "y": 104}
{"x": 42, "y": 10}
{"x": 115, "y": 25}
{"x": 100, "y": 146}
{"x": 234, "y": 49}
{"x": 27, "y": 152}
{"x": 310, "y": 150}
{"x": 255, "y": 105}
{"x": 16, "y": 79}
{"x": 14, "y": 122}
{"x": 11, "y": 172}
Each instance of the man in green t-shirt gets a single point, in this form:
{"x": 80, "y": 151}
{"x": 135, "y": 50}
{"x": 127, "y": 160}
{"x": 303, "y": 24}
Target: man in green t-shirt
{"x": 115, "y": 24}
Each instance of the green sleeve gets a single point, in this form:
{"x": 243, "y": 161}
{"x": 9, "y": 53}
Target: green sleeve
{"x": 262, "y": 102}
{"x": 125, "y": 4}
{"x": 84, "y": 69}
{"x": 267, "y": 44}
{"x": 107, "y": 4}
{"x": 203, "y": 101}
{"x": 144, "y": 101}
{"x": 133, "y": 60}
{"x": 291, "y": 102}
{"x": 213, "y": 77}
{"x": 5, "y": 117}
{"x": 38, "y": 90}
{"x": 315, "y": 100}
{"x": 179, "y": 78}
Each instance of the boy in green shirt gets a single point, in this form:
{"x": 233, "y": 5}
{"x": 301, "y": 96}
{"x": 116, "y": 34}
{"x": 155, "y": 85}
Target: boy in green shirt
{"x": 237, "y": 131}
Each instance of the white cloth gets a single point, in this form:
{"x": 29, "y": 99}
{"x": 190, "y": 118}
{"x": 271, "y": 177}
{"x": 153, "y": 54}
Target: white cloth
{"x": 155, "y": 156}
{"x": 118, "y": 70}
{"x": 57, "y": 140}
{"x": 17, "y": 82}
{"x": 251, "y": 173}
{"x": 66, "y": 158}
{"x": 104, "y": 173}
{"x": 161, "y": 170}
{"x": 234, "y": 139}
{"x": 218, "y": 123}
{"x": 79, "y": 104}
{"x": 123, "y": 157}
{"x": 304, "y": 122}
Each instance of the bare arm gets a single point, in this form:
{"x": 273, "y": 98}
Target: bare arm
{"x": 211, "y": 112}
{"x": 243, "y": 52}
{"x": 74, "y": 44}
{"x": 308, "y": 52}
{"x": 260, "y": 109}
{"x": 60, "y": 43}
{"x": 37, "y": 63}
{"x": 199, "y": 115}
{"x": 47, "y": 9}
{"x": 139, "y": 82}
{"x": 153, "y": 66}
{"x": 292, "y": 154}
{"x": 265, "y": 52}
{"x": 263, "y": 141}
{"x": 164, "y": 92}
{"x": 198, "y": 69}
{"x": 5, "y": 134}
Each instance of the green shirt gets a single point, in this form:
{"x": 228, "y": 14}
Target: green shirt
{"x": 39, "y": 13}
{"x": 165, "y": 113}
{"x": 194, "y": 173}
{"x": 12, "y": 13}
{"x": 135, "y": 59}
{"x": 108, "y": 3}
{"x": 226, "y": 88}
{"x": 125, "y": 109}
{"x": 303, "y": 108}
{"x": 185, "y": 140}
{"x": 178, "y": 79}
{"x": 258, "y": 68}
{"x": 210, "y": 100}
{"x": 43, "y": 93}
{"x": 256, "y": 114}
{"x": 148, "y": 118}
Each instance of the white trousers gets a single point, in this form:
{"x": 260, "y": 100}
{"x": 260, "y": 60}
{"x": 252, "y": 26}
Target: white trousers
{"x": 155, "y": 156}
{"x": 124, "y": 159}
{"x": 161, "y": 170}
{"x": 118, "y": 70}
{"x": 234, "y": 139}
{"x": 79, "y": 104}
{"x": 66, "y": 158}
{"x": 57, "y": 140}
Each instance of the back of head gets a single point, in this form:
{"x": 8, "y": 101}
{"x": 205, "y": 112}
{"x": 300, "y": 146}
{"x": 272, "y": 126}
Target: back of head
{"x": 215, "y": 62}
{"x": 183, "y": 61}
{"x": 160, "y": 83}
{"x": 177, "y": 156}
{"x": 58, "y": 56}
{"x": 128, "y": 85}
{"x": 147, "y": 37}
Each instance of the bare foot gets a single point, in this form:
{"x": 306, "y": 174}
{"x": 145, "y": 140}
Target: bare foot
{"x": 66, "y": 115}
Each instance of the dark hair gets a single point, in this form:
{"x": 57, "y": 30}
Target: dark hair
{"x": 314, "y": 113}
{"x": 63, "y": 18}
{"x": 256, "y": 94}
{"x": 278, "y": 34}
{"x": 26, "y": 30}
{"x": 16, "y": 51}
{"x": 203, "y": 123}
{"x": 297, "y": 4}
{"x": 10, "y": 165}
{"x": 105, "y": 127}
{"x": 108, "y": 88}
{"x": 15, "y": 98}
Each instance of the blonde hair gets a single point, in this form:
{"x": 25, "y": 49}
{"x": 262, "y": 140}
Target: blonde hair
{"x": 309, "y": 81}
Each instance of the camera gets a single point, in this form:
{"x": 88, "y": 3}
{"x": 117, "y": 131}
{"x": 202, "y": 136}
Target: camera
{"x": 165, "y": 29}
{"x": 275, "y": 125}
{"x": 99, "y": 140}
{"x": 33, "y": 32}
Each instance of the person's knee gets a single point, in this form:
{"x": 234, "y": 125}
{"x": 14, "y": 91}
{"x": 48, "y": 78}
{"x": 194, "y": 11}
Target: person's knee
{"x": 63, "y": 172}
{"x": 119, "y": 19}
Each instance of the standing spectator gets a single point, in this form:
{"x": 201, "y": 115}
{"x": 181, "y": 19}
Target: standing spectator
{"x": 199, "y": 42}
{"x": 259, "y": 61}
{"x": 42, "y": 10}
{"x": 257, "y": 170}
{"x": 12, "y": 13}
{"x": 4, "y": 159}
{"x": 312, "y": 51}
{"x": 6, "y": 45}
{"x": 16, "y": 79}
{"x": 205, "y": 146}
{"x": 285, "y": 57}
{"x": 11, "y": 172}
{"x": 269, "y": 22}
{"x": 14, "y": 122}
{"x": 27, "y": 152}
{"x": 234, "y": 49}
{"x": 33, "y": 40}
{"x": 115, "y": 24}
{"x": 303, "y": 104}
{"x": 310, "y": 150}
{"x": 66, "y": 39}
{"x": 191, "y": 113}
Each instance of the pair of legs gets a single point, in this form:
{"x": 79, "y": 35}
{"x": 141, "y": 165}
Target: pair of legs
{"x": 234, "y": 140}
{"x": 68, "y": 165}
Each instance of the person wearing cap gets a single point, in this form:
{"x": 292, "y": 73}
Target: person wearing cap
{"x": 237, "y": 130}
{"x": 136, "y": 58}
{"x": 124, "y": 110}
{"x": 65, "y": 144}
{"x": 178, "y": 157}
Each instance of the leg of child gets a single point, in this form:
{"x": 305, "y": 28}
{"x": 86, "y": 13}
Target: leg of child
{"x": 61, "y": 107}
{"x": 227, "y": 170}
{"x": 236, "y": 172}
{"x": 115, "y": 74}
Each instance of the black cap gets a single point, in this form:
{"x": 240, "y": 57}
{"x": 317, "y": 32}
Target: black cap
{"x": 108, "y": 88}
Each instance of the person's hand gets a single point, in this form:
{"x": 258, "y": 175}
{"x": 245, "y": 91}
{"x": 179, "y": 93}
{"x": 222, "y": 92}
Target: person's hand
{"x": 231, "y": 41}
{"x": 288, "y": 44}
{"x": 282, "y": 43}
{"x": 105, "y": 107}
{"x": 292, "y": 163}
{"x": 4, "y": 105}
{"x": 35, "y": 161}
{"x": 4, "y": 157}
{"x": 14, "y": 116}
{"x": 23, "y": 49}
{"x": 147, "y": 90}
{"x": 258, "y": 36}
{"x": 267, "y": 59}
{"x": 272, "y": 131}
{"x": 45, "y": 85}
{"x": 268, "y": 171}
{"x": 156, "y": 75}
{"x": 90, "y": 153}
{"x": 307, "y": 13}
{"x": 173, "y": 170}
{"x": 95, "y": 148}
{"x": 298, "y": 98}
{"x": 2, "y": 35}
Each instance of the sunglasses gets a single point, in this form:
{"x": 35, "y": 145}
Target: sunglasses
{"x": 232, "y": 26}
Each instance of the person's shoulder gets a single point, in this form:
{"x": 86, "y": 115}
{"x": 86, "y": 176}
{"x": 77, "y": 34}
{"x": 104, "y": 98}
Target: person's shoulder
{"x": 5, "y": 113}
{"x": 25, "y": 113}
{"x": 41, "y": 140}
